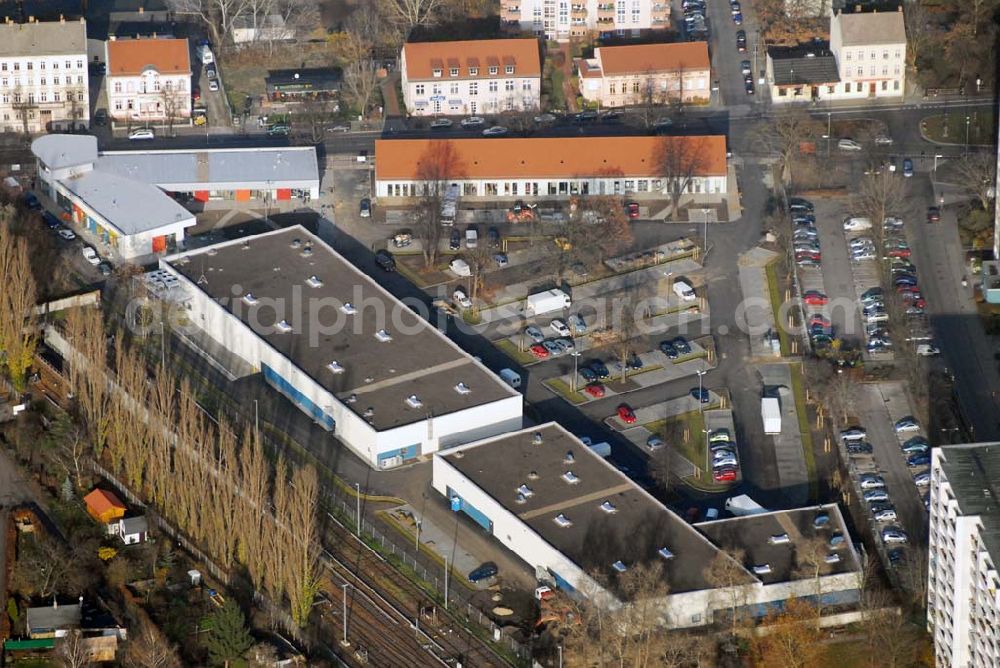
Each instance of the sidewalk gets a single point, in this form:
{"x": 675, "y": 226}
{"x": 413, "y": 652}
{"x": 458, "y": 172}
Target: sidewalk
{"x": 758, "y": 315}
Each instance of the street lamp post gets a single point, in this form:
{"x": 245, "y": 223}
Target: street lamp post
{"x": 701, "y": 388}
{"x": 344, "y": 587}
{"x": 576, "y": 364}
{"x": 829, "y": 131}
{"x": 967, "y": 119}
{"x": 357, "y": 488}
{"x": 446, "y": 582}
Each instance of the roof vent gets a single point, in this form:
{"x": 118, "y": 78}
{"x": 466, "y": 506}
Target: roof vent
{"x": 413, "y": 401}
{"x": 521, "y": 499}
{"x": 296, "y": 242}
{"x": 283, "y": 327}
{"x": 563, "y": 521}
{"x": 369, "y": 413}
{"x": 314, "y": 282}
{"x": 570, "y": 477}
{"x": 246, "y": 244}
{"x": 349, "y": 309}
{"x": 569, "y": 459}
{"x": 525, "y": 491}
{"x": 212, "y": 251}
{"x": 462, "y": 388}
{"x": 665, "y": 553}
{"x": 353, "y": 398}
{"x": 619, "y": 566}
{"x": 335, "y": 367}
{"x": 383, "y": 336}
{"x": 536, "y": 439}
{"x": 250, "y": 300}
{"x": 608, "y": 507}
{"x": 532, "y": 475}
{"x": 307, "y": 251}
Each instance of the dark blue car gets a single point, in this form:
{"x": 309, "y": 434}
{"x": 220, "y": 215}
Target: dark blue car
{"x": 484, "y": 572}
{"x": 913, "y": 461}
{"x": 51, "y": 221}
{"x": 669, "y": 350}
{"x": 588, "y": 374}
{"x": 682, "y": 346}
{"x": 700, "y": 394}
{"x": 599, "y": 368}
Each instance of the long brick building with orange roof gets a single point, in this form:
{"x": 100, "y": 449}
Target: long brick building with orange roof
{"x": 471, "y": 77}
{"x": 646, "y": 73}
{"x": 551, "y": 167}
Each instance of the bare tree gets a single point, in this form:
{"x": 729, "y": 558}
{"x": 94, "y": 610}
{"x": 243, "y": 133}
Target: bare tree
{"x": 66, "y": 440}
{"x": 977, "y": 172}
{"x": 72, "y": 651}
{"x": 410, "y": 14}
{"x": 218, "y": 15}
{"x": 810, "y": 561}
{"x": 784, "y": 135}
{"x": 173, "y": 102}
{"x": 919, "y": 34}
{"x": 679, "y": 161}
{"x": 149, "y": 648}
{"x": 439, "y": 164}
{"x": 360, "y": 83}
{"x": 731, "y": 581}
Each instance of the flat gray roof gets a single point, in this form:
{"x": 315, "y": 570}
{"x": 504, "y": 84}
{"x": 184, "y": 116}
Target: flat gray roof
{"x": 639, "y": 526}
{"x": 59, "y": 151}
{"x": 50, "y": 38}
{"x": 752, "y": 533}
{"x": 130, "y": 205}
{"x": 219, "y": 169}
{"x": 973, "y": 471}
{"x": 419, "y": 360}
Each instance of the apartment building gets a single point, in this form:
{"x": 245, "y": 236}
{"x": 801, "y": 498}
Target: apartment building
{"x": 870, "y": 49}
{"x": 43, "y": 76}
{"x": 471, "y": 77}
{"x": 148, "y": 80}
{"x": 562, "y": 20}
{"x": 619, "y": 76}
{"x": 962, "y": 601}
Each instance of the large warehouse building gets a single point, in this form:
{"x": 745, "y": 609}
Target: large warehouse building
{"x": 341, "y": 348}
{"x": 489, "y": 168}
{"x": 128, "y": 200}
{"x": 567, "y": 512}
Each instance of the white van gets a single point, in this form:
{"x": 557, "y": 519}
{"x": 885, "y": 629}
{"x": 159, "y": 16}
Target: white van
{"x": 857, "y": 224}
{"x": 205, "y": 54}
{"x": 460, "y": 267}
{"x": 511, "y": 377}
{"x": 684, "y": 290}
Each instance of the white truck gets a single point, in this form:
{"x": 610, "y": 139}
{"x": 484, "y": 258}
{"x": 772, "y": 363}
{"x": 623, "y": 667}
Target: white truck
{"x": 770, "y": 412}
{"x": 205, "y": 54}
{"x": 449, "y": 205}
{"x": 546, "y": 302}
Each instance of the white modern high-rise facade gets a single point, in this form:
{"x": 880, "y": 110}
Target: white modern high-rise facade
{"x": 562, "y": 20}
{"x": 962, "y": 591}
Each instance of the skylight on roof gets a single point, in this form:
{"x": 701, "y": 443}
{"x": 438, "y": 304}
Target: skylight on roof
{"x": 665, "y": 553}
{"x": 462, "y": 388}
{"x": 414, "y": 401}
{"x": 608, "y": 507}
{"x": 383, "y": 336}
{"x": 335, "y": 367}
{"x": 563, "y": 521}
{"x": 349, "y": 309}
{"x": 283, "y": 327}
{"x": 250, "y": 300}
{"x": 525, "y": 491}
{"x": 314, "y": 282}
{"x": 570, "y": 477}
{"x": 619, "y": 566}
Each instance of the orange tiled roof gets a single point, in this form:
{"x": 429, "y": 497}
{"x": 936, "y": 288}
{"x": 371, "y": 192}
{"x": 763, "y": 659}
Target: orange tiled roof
{"x": 423, "y": 57}
{"x": 618, "y": 60}
{"x": 100, "y": 501}
{"x": 132, "y": 56}
{"x": 544, "y": 157}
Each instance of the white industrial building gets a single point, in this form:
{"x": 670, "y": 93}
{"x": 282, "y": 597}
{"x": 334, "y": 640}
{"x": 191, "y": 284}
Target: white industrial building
{"x": 128, "y": 200}
{"x": 340, "y": 347}
{"x": 568, "y": 513}
{"x": 962, "y": 591}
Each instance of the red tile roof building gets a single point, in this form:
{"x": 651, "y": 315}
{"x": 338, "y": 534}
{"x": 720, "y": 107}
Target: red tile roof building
{"x": 149, "y": 79}
{"x": 646, "y": 74}
{"x": 548, "y": 167}
{"x": 472, "y": 77}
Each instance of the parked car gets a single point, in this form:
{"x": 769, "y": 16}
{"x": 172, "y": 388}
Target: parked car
{"x": 719, "y": 436}
{"x": 883, "y": 140}
{"x": 140, "y": 134}
{"x": 577, "y": 323}
{"x": 700, "y": 394}
{"x": 927, "y": 350}
{"x": 815, "y": 298}
{"x": 455, "y": 240}
{"x": 365, "y": 208}
{"x": 875, "y": 495}
{"x": 908, "y": 423}
{"x": 885, "y": 515}
{"x": 794, "y": 203}
{"x": 565, "y": 345}
{"x": 872, "y": 482}
{"x": 66, "y": 234}
{"x": 51, "y": 221}
{"x": 852, "y": 434}
{"x": 654, "y": 442}
{"x": 626, "y": 414}
{"x": 933, "y": 214}
{"x": 90, "y": 255}
{"x": 595, "y": 390}
{"x": 724, "y": 475}
{"x": 857, "y": 223}
{"x": 534, "y": 333}
{"x": 501, "y": 260}
{"x": 539, "y": 351}
{"x": 493, "y": 237}
{"x": 559, "y": 327}
{"x": 441, "y": 124}
{"x": 917, "y": 460}
{"x": 847, "y": 144}
{"x": 385, "y": 260}
{"x": 669, "y": 350}
{"x": 485, "y": 571}
{"x": 599, "y": 368}
{"x": 907, "y": 167}
{"x": 922, "y": 479}
{"x": 462, "y": 299}
{"x": 894, "y": 535}
{"x": 682, "y": 345}
{"x": 553, "y": 348}
{"x": 473, "y": 122}
{"x": 495, "y": 131}
{"x": 724, "y": 462}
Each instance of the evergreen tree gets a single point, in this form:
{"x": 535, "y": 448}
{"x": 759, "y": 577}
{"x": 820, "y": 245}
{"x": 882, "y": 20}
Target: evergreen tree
{"x": 228, "y": 638}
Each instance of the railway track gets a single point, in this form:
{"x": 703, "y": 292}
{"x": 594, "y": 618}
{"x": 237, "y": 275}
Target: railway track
{"x": 429, "y": 639}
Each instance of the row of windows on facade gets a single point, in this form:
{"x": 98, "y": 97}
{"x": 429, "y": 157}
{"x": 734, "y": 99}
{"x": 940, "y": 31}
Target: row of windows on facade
{"x": 874, "y": 54}
{"x": 41, "y": 97}
{"x": 130, "y": 87}
{"x": 42, "y": 81}
{"x": 860, "y": 72}
{"x": 30, "y": 65}
{"x": 474, "y": 71}
{"x": 671, "y": 84}
{"x": 494, "y": 86}
{"x": 533, "y": 188}
{"x": 848, "y": 88}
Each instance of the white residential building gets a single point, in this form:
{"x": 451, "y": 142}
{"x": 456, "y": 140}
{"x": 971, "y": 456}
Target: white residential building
{"x": 962, "y": 600}
{"x": 471, "y": 77}
{"x": 562, "y": 20}
{"x": 870, "y": 49}
{"x": 148, "y": 80}
{"x": 43, "y": 76}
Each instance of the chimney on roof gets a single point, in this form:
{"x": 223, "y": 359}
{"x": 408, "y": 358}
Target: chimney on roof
{"x": 62, "y": 19}
{"x": 154, "y": 34}
{"x": 142, "y": 10}
{"x": 31, "y": 19}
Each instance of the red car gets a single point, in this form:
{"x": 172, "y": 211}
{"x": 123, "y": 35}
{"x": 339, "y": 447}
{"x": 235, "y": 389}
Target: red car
{"x": 724, "y": 475}
{"x": 899, "y": 252}
{"x": 539, "y": 351}
{"x": 820, "y": 320}
{"x": 632, "y": 208}
{"x": 195, "y": 93}
{"x": 595, "y": 390}
{"x": 815, "y": 298}
{"x": 626, "y": 414}
{"x": 912, "y": 289}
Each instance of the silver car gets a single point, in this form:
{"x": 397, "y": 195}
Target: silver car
{"x": 876, "y": 495}
{"x": 885, "y": 515}
{"x": 872, "y": 482}
{"x": 534, "y": 334}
